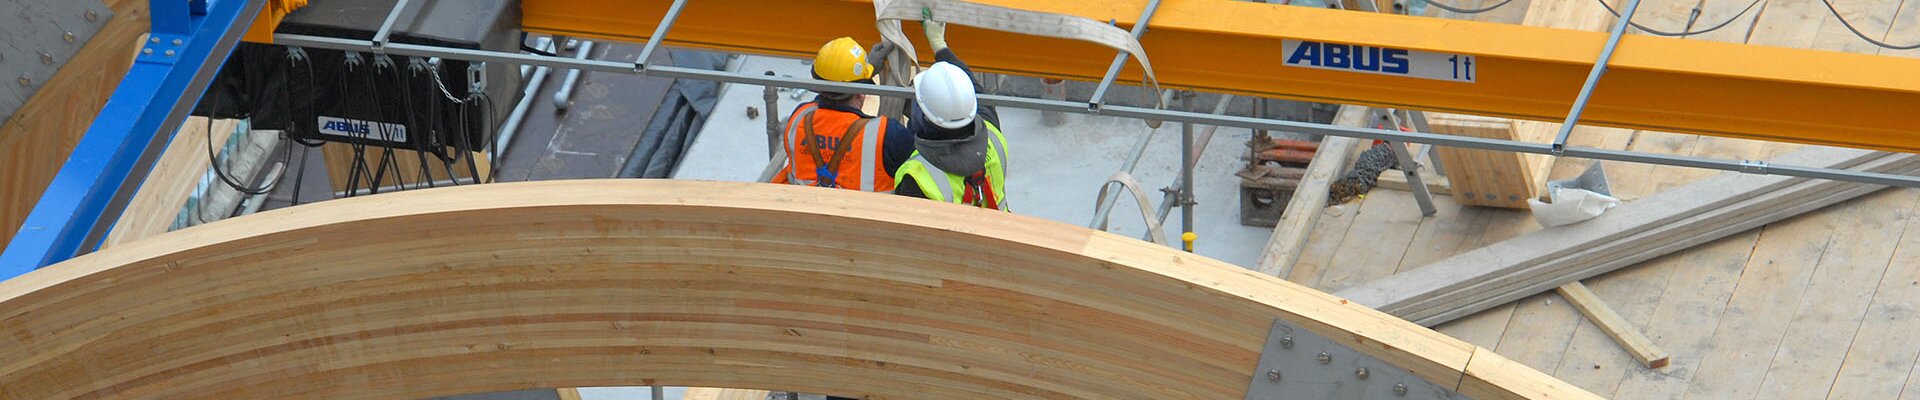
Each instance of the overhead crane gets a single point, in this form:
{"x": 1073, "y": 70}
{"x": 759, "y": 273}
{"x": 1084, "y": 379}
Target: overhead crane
{"x": 1494, "y": 69}
{"x": 1240, "y": 346}
{"x": 1731, "y": 90}
{"x": 1504, "y": 70}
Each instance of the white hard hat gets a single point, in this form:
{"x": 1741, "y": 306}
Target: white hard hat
{"x": 945, "y": 94}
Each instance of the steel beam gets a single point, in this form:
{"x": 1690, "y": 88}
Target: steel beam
{"x": 1120, "y": 111}
{"x": 1665, "y": 84}
{"x": 182, "y": 55}
{"x": 1593, "y": 77}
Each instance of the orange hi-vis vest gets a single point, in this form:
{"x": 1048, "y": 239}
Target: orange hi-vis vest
{"x": 830, "y": 148}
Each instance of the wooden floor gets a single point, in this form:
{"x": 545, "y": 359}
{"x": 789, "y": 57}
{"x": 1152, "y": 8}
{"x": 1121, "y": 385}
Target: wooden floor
{"x": 1818, "y": 306}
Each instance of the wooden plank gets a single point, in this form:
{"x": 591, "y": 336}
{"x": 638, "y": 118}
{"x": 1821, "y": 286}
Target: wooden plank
{"x": 1882, "y": 351}
{"x": 1290, "y": 235}
{"x": 1538, "y": 332}
{"x": 725, "y": 394}
{"x": 35, "y": 142}
{"x": 710, "y": 284}
{"x": 1385, "y": 224}
{"x": 1775, "y": 278}
{"x": 1436, "y": 185}
{"x": 1593, "y": 360}
{"x": 175, "y": 175}
{"x": 1634, "y": 232}
{"x": 574, "y": 394}
{"x": 1689, "y": 312}
{"x": 1486, "y": 328}
{"x": 1317, "y": 256}
{"x": 1512, "y": 13}
{"x": 1821, "y": 331}
{"x": 1614, "y": 325}
{"x": 339, "y": 162}
{"x": 1490, "y": 369}
{"x": 1484, "y": 177}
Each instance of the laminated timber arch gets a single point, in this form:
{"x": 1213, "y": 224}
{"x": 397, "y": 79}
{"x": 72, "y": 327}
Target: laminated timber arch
{"x": 622, "y": 282}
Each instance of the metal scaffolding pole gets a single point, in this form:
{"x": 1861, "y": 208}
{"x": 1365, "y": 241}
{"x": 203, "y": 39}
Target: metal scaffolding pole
{"x": 1746, "y": 166}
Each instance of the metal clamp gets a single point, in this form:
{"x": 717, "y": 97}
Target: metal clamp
{"x": 476, "y": 77}
{"x": 1298, "y": 364}
{"x": 1754, "y": 167}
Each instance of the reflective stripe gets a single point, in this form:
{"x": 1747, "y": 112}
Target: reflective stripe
{"x": 999, "y": 149}
{"x": 869, "y": 139}
{"x": 793, "y": 127}
{"x": 940, "y": 179}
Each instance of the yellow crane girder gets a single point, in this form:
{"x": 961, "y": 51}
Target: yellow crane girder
{"x": 1702, "y": 87}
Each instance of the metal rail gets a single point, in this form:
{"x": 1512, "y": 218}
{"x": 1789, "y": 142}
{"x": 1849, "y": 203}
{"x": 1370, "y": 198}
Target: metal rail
{"x": 1120, "y": 60}
{"x": 659, "y": 35}
{"x": 386, "y": 27}
{"x": 1747, "y": 166}
{"x": 1593, "y": 77}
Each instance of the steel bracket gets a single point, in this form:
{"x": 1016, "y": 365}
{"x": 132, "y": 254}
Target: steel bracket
{"x": 1298, "y": 364}
{"x": 162, "y": 49}
{"x": 37, "y": 39}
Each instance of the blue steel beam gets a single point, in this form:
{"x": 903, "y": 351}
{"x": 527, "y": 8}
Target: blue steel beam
{"x": 189, "y": 42}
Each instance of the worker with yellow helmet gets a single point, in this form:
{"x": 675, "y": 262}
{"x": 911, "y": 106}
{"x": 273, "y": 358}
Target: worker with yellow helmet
{"x": 830, "y": 142}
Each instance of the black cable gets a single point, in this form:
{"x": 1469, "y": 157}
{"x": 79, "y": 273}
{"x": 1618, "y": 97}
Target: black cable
{"x": 1863, "y": 36}
{"x": 413, "y": 126}
{"x": 1464, "y": 10}
{"x": 530, "y": 49}
{"x": 1657, "y": 32}
{"x": 387, "y": 158}
{"x": 358, "y": 165}
{"x": 214, "y": 163}
{"x": 299, "y": 177}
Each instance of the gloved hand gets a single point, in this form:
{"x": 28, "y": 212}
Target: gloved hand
{"x": 936, "y": 31}
{"x": 878, "y": 57}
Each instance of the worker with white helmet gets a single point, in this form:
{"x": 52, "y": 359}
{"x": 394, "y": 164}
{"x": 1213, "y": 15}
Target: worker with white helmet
{"x": 830, "y": 142}
{"x": 960, "y": 155}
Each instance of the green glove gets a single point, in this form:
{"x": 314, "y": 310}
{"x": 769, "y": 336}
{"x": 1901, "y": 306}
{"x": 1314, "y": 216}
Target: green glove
{"x": 936, "y": 31}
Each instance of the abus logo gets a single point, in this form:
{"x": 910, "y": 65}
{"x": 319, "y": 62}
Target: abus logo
{"x": 347, "y": 127}
{"x": 358, "y": 129}
{"x": 1378, "y": 60}
{"x": 1363, "y": 58}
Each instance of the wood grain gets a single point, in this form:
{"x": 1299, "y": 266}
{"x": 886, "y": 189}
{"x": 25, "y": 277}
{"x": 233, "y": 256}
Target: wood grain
{"x": 175, "y": 175}
{"x": 1310, "y": 198}
{"x": 642, "y": 282}
{"x": 1485, "y": 177}
{"x": 1614, "y": 325}
{"x": 35, "y": 142}
{"x": 725, "y": 394}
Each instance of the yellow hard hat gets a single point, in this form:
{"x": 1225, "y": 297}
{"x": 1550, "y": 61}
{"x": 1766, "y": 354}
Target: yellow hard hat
{"x": 842, "y": 60}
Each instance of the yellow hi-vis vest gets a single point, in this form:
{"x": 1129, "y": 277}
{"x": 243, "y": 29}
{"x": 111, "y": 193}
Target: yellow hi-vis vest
{"x": 950, "y": 186}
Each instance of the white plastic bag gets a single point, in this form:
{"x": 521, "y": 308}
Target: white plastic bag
{"x": 1570, "y": 206}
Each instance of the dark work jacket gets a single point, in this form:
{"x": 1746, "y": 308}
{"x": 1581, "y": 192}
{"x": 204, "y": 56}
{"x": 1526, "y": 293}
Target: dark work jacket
{"x": 905, "y": 186}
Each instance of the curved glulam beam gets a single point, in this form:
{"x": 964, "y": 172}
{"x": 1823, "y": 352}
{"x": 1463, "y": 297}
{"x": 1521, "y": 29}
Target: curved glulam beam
{"x": 626, "y": 282}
